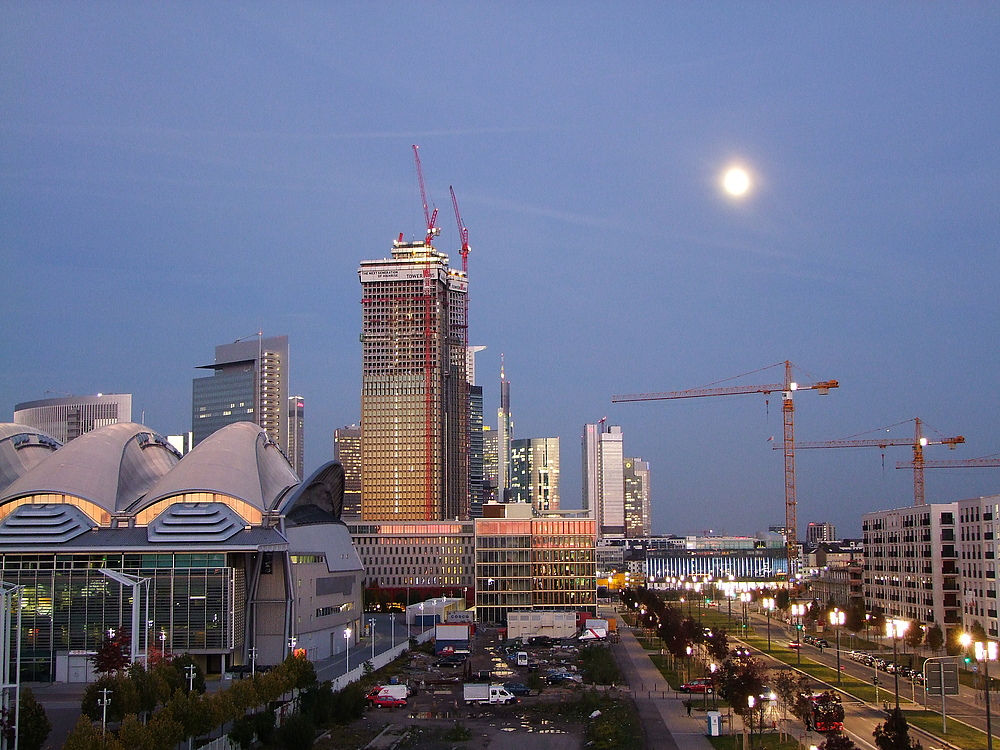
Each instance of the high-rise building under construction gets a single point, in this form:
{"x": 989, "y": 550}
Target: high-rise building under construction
{"x": 414, "y": 391}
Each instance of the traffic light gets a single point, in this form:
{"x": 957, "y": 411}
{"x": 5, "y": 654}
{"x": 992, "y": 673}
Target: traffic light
{"x": 968, "y": 659}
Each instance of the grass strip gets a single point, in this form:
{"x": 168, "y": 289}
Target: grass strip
{"x": 958, "y": 734}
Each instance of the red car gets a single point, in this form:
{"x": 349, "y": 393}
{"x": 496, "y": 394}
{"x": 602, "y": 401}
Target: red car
{"x": 794, "y": 644}
{"x": 700, "y": 685}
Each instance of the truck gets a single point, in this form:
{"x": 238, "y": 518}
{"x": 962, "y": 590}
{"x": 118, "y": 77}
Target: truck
{"x": 825, "y": 712}
{"x": 474, "y": 692}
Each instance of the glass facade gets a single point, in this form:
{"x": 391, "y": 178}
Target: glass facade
{"x": 69, "y": 605}
{"x": 538, "y": 563}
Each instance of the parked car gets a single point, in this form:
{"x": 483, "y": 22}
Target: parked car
{"x": 452, "y": 660}
{"x": 517, "y": 688}
{"x": 557, "y": 678}
{"x": 699, "y": 685}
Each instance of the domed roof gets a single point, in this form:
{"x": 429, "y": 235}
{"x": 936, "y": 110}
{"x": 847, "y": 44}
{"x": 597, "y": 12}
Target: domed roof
{"x": 239, "y": 460}
{"x": 21, "y": 449}
{"x": 111, "y": 467}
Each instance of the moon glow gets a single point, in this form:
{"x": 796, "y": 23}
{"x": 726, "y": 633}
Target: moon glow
{"x": 736, "y": 181}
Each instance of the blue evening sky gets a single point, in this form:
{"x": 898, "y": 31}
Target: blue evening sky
{"x": 174, "y": 176}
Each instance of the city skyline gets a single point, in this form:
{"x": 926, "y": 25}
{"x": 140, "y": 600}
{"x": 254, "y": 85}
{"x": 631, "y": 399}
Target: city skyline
{"x": 200, "y": 174}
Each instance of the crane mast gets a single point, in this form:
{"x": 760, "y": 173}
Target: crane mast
{"x": 787, "y": 388}
{"x": 429, "y": 218}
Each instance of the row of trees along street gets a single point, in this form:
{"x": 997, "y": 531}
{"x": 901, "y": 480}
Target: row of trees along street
{"x": 745, "y": 682}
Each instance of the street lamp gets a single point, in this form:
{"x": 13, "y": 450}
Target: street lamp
{"x": 371, "y": 624}
{"x": 798, "y": 610}
{"x": 751, "y": 701}
{"x": 896, "y": 629}
{"x": 745, "y": 598}
{"x": 768, "y": 604}
{"x": 253, "y": 661}
{"x": 392, "y": 637}
{"x": 347, "y": 640}
{"x": 837, "y": 617}
{"x": 715, "y": 693}
{"x": 688, "y": 649}
{"x": 985, "y": 652}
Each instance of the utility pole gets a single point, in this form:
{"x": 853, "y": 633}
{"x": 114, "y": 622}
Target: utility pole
{"x": 104, "y": 701}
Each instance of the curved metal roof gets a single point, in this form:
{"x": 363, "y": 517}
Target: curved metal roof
{"x": 21, "y": 449}
{"x": 111, "y": 467}
{"x": 239, "y": 460}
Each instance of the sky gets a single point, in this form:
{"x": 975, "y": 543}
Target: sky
{"x": 174, "y": 176}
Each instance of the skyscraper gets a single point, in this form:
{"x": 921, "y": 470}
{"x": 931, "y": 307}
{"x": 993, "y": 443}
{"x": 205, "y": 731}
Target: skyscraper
{"x": 534, "y": 472}
{"x": 476, "y": 475}
{"x": 68, "y": 418}
{"x": 637, "y": 511}
{"x": 249, "y": 383}
{"x": 296, "y": 453}
{"x": 604, "y": 478}
{"x": 505, "y": 428}
{"x": 414, "y": 393}
{"x": 491, "y": 465}
{"x": 347, "y": 450}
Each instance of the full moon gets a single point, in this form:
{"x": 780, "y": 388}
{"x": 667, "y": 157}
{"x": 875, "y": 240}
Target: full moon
{"x": 736, "y": 181}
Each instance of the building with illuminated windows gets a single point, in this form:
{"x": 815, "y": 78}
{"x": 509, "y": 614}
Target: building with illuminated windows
{"x": 233, "y": 552}
{"x": 638, "y": 519}
{"x": 529, "y": 562}
{"x": 416, "y": 560}
{"x": 534, "y": 472}
{"x": 347, "y": 451}
{"x": 414, "y": 392}
{"x": 296, "y": 449}
{"x": 604, "y": 478}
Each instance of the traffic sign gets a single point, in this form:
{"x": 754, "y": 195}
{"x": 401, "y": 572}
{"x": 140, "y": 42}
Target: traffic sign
{"x": 941, "y": 676}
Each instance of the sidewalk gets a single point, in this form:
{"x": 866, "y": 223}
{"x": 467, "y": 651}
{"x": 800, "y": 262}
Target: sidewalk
{"x": 664, "y": 718}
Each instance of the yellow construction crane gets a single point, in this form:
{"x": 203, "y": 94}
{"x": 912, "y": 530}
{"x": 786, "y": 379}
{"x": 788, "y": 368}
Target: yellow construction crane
{"x": 786, "y": 388}
{"x": 918, "y": 442}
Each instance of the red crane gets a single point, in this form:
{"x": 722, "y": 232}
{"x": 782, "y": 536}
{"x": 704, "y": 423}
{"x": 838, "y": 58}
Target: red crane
{"x": 463, "y": 233}
{"x": 429, "y": 218}
{"x": 786, "y": 388}
{"x": 918, "y": 442}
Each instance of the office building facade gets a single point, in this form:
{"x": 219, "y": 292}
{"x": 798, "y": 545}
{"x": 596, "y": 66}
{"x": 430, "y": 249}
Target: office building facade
{"x": 505, "y": 434}
{"x": 347, "y": 451}
{"x": 415, "y": 560}
{"x": 491, "y": 466}
{"x": 820, "y": 531}
{"x": 604, "y": 478}
{"x": 68, "y": 418}
{"x": 534, "y": 472}
{"x": 296, "y": 452}
{"x": 638, "y": 518}
{"x": 414, "y": 391}
{"x": 249, "y": 383}
{"x": 529, "y": 563}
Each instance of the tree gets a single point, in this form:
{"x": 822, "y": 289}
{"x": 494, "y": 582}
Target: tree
{"x": 113, "y": 655}
{"x": 894, "y": 733}
{"x": 738, "y": 680}
{"x": 33, "y": 724}
{"x": 297, "y": 733}
{"x": 935, "y": 638}
{"x": 914, "y": 634}
{"x": 839, "y": 742}
{"x": 855, "y": 618}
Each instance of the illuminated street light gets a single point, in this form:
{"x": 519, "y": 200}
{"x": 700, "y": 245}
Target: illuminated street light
{"x": 896, "y": 629}
{"x": 768, "y": 604}
{"x": 347, "y": 639}
{"x": 798, "y": 610}
{"x": 837, "y": 617}
{"x": 984, "y": 652}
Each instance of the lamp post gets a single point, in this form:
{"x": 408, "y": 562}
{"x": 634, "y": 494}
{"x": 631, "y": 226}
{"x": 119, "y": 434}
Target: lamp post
{"x": 797, "y": 611}
{"x": 715, "y": 693}
{"x": 751, "y": 701}
{"x": 253, "y": 661}
{"x": 837, "y": 617}
{"x": 768, "y": 604}
{"x": 104, "y": 701}
{"x": 985, "y": 652}
{"x": 896, "y": 629}
{"x": 688, "y": 649}
{"x": 371, "y": 624}
{"x": 392, "y": 637}
{"x": 347, "y": 640}
{"x": 745, "y": 598}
